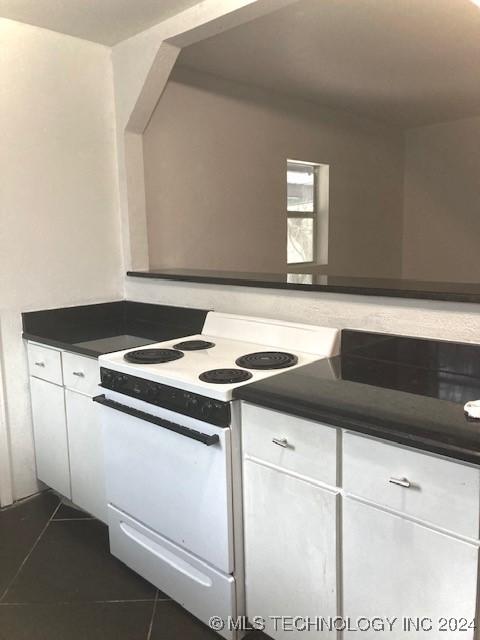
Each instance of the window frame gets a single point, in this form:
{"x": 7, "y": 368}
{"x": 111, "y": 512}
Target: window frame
{"x": 309, "y": 215}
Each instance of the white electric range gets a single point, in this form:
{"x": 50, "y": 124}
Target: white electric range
{"x": 172, "y": 452}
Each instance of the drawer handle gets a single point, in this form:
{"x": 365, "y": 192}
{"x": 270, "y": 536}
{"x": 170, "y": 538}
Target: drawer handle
{"x": 80, "y": 374}
{"x": 281, "y": 442}
{"x": 39, "y": 364}
{"x": 401, "y": 482}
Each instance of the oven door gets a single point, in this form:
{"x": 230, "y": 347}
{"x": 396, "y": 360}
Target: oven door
{"x": 172, "y": 473}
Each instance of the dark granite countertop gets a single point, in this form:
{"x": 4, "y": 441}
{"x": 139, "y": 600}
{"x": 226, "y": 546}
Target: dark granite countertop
{"x": 95, "y": 329}
{"x": 388, "y": 287}
{"x": 406, "y": 390}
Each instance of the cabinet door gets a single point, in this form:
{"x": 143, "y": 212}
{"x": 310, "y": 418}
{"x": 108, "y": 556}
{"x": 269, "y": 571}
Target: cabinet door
{"x": 394, "y": 567}
{"x": 50, "y": 433}
{"x": 290, "y": 549}
{"x": 86, "y": 455}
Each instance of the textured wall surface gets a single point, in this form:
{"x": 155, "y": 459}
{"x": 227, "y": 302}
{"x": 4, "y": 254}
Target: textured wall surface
{"x": 60, "y": 231}
{"x": 430, "y": 319}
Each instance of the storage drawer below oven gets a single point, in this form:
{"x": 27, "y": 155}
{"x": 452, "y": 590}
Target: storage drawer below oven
{"x": 199, "y": 588}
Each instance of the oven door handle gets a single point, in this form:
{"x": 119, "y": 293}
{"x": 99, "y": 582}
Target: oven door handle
{"x": 204, "y": 438}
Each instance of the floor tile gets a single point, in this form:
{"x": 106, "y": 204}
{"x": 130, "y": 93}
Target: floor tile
{"x": 172, "y": 622}
{"x": 72, "y": 563}
{"x": 20, "y": 526}
{"x": 69, "y": 512}
{"x": 79, "y": 621}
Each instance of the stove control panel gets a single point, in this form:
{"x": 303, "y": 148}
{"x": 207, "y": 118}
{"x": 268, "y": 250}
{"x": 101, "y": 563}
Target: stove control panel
{"x": 185, "y": 402}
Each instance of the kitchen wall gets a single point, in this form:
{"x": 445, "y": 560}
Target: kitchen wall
{"x": 215, "y": 174}
{"x": 60, "y": 229}
{"x": 442, "y": 201}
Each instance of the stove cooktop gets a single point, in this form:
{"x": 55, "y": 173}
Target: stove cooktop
{"x": 208, "y": 365}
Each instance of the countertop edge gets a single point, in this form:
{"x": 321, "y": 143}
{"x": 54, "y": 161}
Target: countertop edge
{"x": 342, "y": 420}
{"x": 472, "y": 298}
{"x": 65, "y": 346}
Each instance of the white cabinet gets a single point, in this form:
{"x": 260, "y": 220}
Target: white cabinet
{"x": 303, "y": 447}
{"x": 45, "y": 363}
{"x": 67, "y": 431}
{"x": 50, "y": 434}
{"x": 441, "y": 492}
{"x": 86, "y": 455}
{"x": 290, "y": 548}
{"x": 395, "y": 567}
{"x": 397, "y": 538}
{"x": 80, "y": 373}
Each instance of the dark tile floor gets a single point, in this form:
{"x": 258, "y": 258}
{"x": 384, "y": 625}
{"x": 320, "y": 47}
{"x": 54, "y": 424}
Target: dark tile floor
{"x": 58, "y": 581}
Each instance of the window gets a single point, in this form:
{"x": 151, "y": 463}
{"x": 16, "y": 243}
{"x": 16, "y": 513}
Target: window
{"x": 307, "y": 212}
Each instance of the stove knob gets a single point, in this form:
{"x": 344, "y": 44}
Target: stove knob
{"x": 114, "y": 382}
{"x": 151, "y": 392}
{"x": 119, "y": 381}
{"x": 206, "y": 408}
{"x": 192, "y": 407}
{"x": 107, "y": 377}
{"x": 137, "y": 389}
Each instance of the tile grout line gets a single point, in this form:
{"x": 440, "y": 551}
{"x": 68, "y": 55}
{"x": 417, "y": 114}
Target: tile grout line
{"x": 150, "y": 626}
{"x": 76, "y": 602}
{"x": 23, "y": 563}
{"x": 72, "y": 519}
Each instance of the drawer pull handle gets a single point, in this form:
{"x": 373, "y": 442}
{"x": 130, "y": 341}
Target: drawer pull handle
{"x": 281, "y": 442}
{"x": 39, "y": 364}
{"x": 401, "y": 482}
{"x": 80, "y": 374}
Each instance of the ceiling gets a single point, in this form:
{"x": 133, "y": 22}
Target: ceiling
{"x": 406, "y": 62}
{"x": 103, "y": 21}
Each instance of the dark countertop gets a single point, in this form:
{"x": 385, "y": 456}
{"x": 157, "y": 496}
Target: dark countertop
{"x": 406, "y": 390}
{"x": 95, "y": 329}
{"x": 388, "y": 287}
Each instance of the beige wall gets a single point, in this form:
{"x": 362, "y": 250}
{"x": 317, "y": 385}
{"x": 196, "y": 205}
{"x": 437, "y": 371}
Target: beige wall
{"x": 441, "y": 238}
{"x": 59, "y": 231}
{"x": 215, "y": 158}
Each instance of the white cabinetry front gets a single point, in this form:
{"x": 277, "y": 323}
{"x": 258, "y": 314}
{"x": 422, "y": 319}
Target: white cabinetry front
{"x": 291, "y": 522}
{"x": 87, "y": 468}
{"x": 421, "y": 578}
{"x": 442, "y": 492}
{"x": 290, "y": 549}
{"x": 45, "y": 363}
{"x": 68, "y": 438}
{"x": 50, "y": 434}
{"x": 290, "y": 443}
{"x": 394, "y": 543}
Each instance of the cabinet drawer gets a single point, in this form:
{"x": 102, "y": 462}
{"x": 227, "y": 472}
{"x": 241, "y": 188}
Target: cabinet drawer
{"x": 309, "y": 448}
{"x": 439, "y": 491}
{"x": 45, "y": 363}
{"x": 81, "y": 373}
